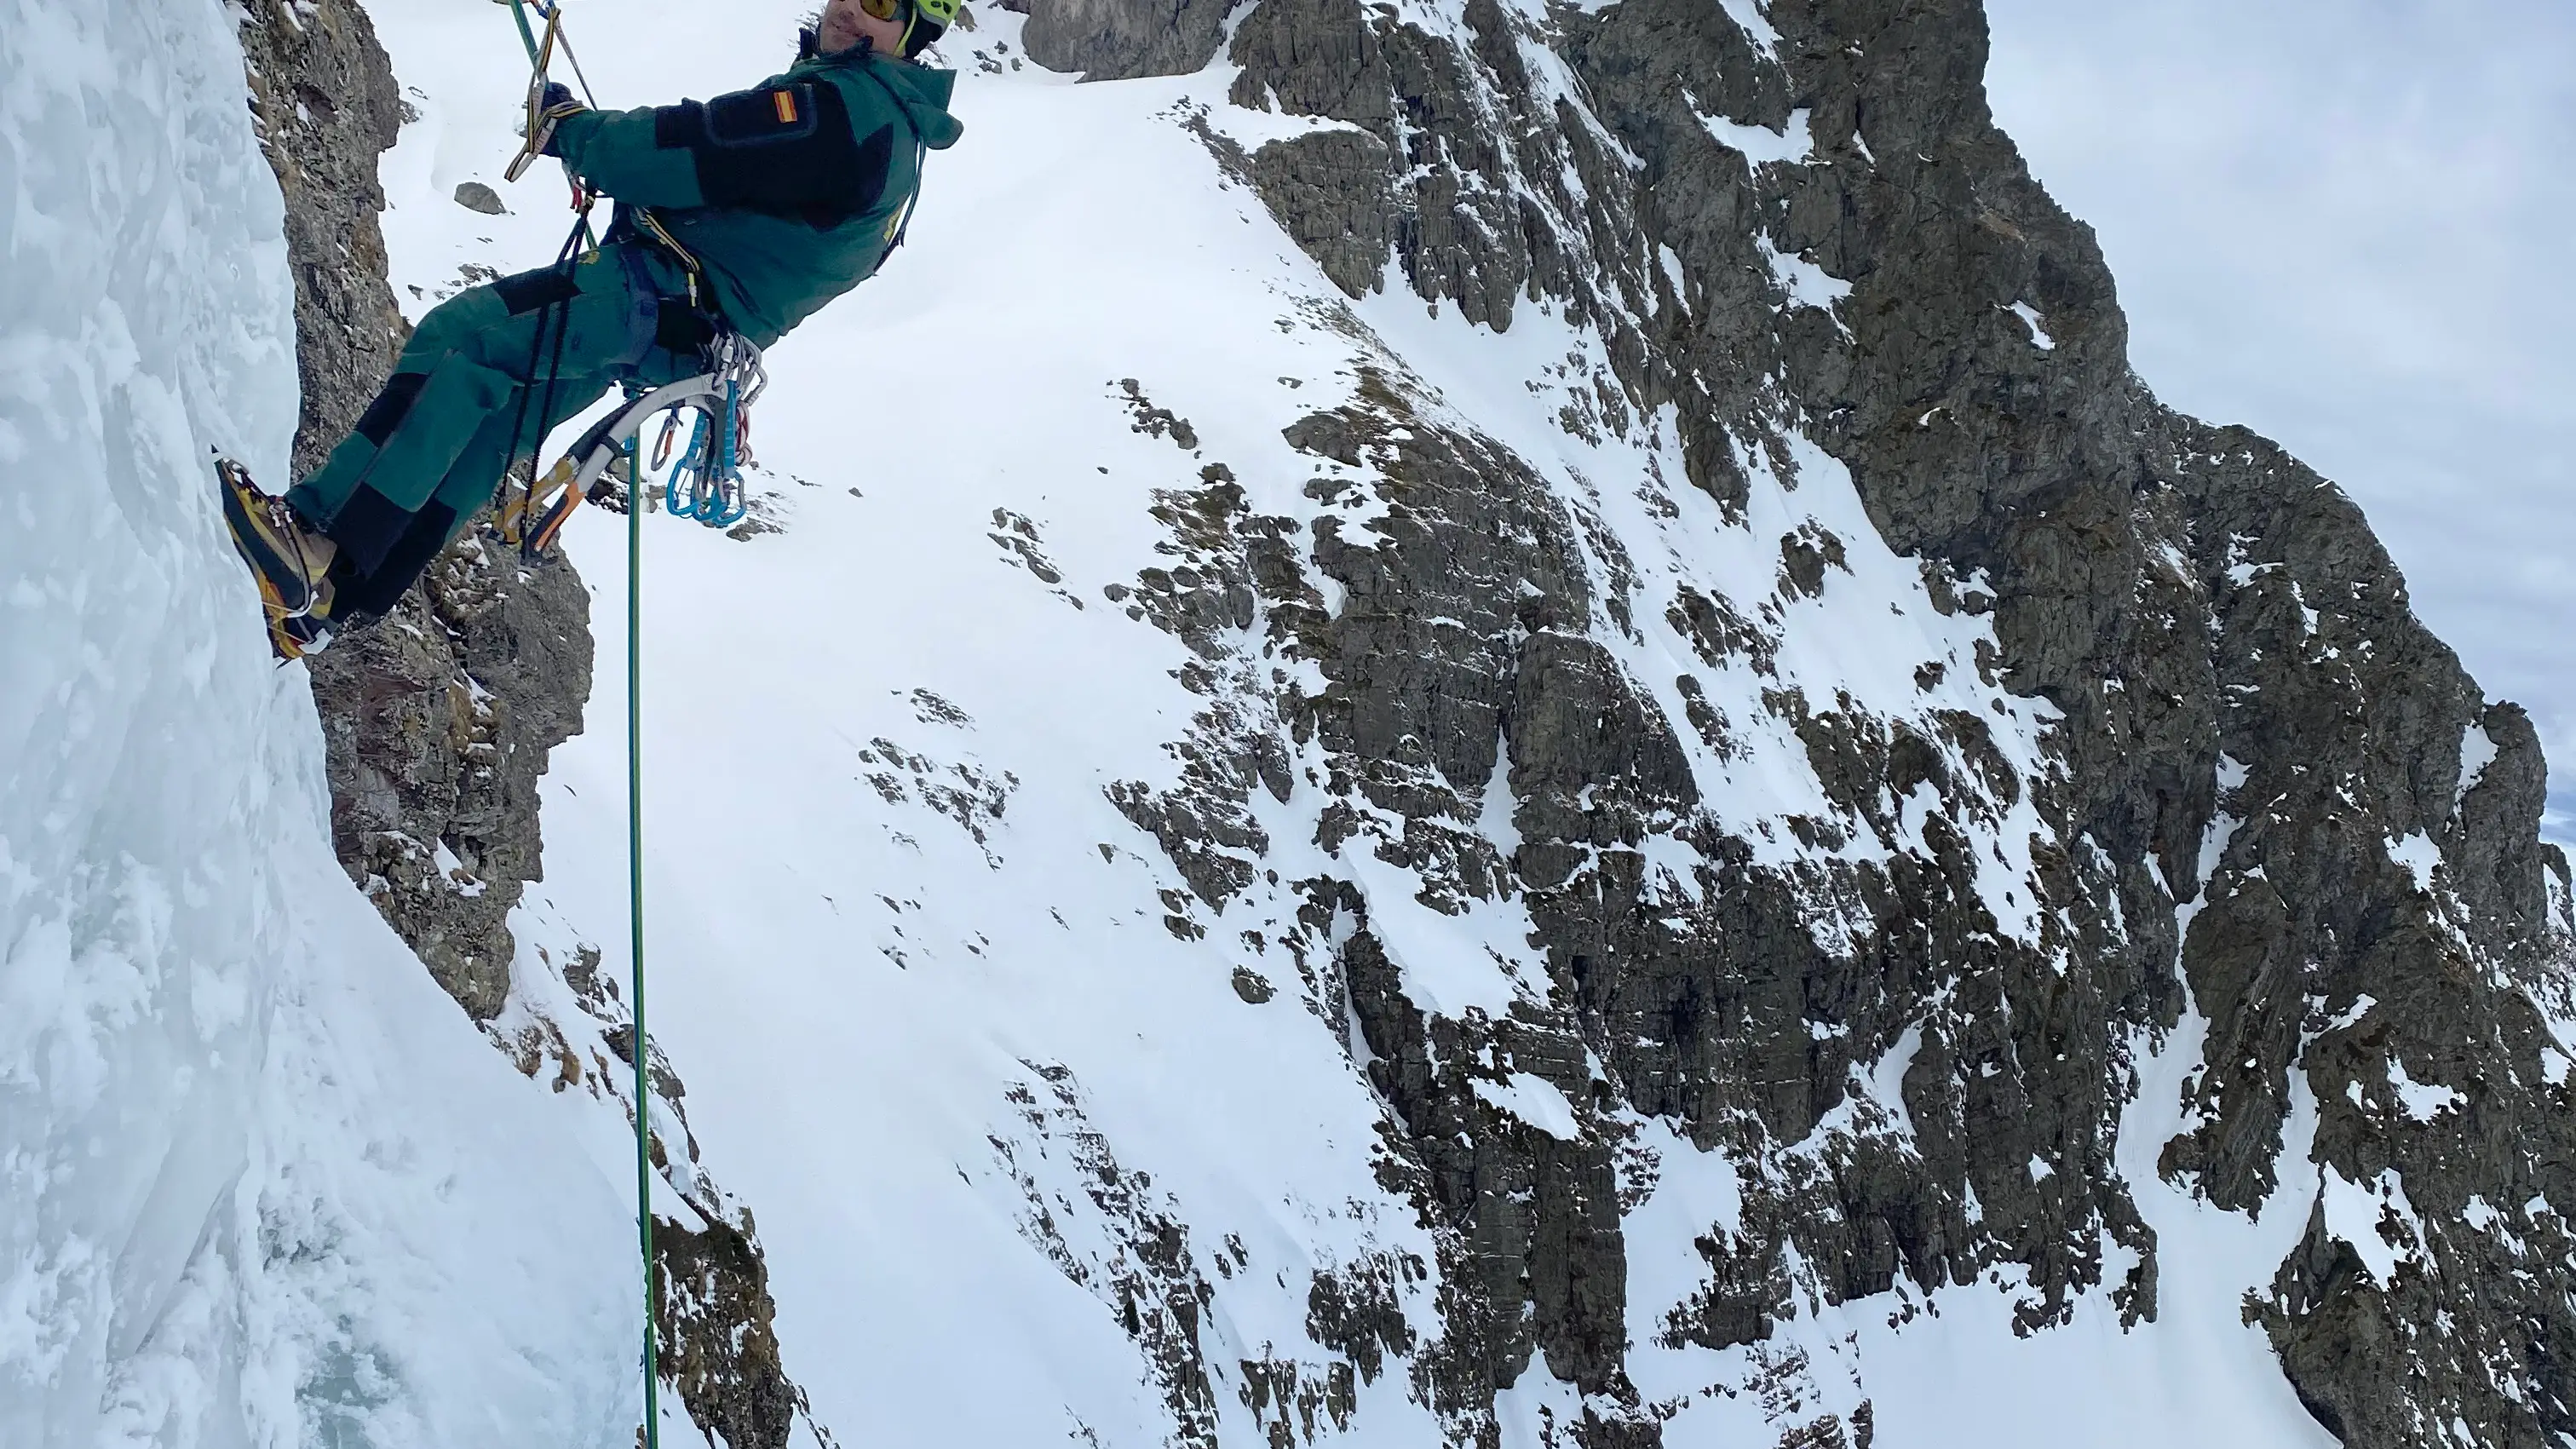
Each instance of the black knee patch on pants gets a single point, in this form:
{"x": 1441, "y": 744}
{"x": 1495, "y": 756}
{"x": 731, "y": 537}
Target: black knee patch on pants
{"x": 391, "y": 406}
{"x": 528, "y": 291}
{"x": 367, "y": 528}
{"x": 359, "y": 592}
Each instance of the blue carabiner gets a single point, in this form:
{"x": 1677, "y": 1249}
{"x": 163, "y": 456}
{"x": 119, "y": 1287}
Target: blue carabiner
{"x": 691, "y": 469}
{"x": 720, "y": 502}
{"x": 705, "y": 486}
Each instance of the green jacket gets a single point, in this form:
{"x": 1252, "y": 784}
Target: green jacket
{"x": 789, "y": 193}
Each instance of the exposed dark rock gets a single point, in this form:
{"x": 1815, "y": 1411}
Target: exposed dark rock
{"x": 437, "y": 723}
{"x": 1154, "y": 1280}
{"x": 2253, "y": 729}
{"x": 327, "y": 107}
{"x": 1123, "y": 39}
{"x": 1329, "y": 192}
{"x": 722, "y": 1350}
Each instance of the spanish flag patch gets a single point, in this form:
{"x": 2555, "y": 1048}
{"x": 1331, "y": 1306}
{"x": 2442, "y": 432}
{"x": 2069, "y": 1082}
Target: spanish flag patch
{"x": 786, "y": 102}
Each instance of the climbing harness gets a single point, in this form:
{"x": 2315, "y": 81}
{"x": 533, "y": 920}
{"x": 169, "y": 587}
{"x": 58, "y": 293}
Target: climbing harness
{"x": 707, "y": 485}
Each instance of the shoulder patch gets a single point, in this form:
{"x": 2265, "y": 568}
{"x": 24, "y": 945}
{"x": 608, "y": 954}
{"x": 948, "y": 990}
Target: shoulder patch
{"x": 789, "y": 150}
{"x": 752, "y": 118}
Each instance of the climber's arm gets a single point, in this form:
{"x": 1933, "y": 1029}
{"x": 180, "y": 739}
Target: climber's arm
{"x": 620, "y": 153}
{"x": 789, "y": 149}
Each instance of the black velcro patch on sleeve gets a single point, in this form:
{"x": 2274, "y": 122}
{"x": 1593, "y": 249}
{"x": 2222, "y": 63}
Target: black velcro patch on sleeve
{"x": 769, "y": 116}
{"x": 867, "y": 182}
{"x": 813, "y": 168}
{"x": 680, "y": 128}
{"x": 525, "y": 292}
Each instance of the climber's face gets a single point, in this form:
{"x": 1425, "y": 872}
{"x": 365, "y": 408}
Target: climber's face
{"x": 847, "y": 22}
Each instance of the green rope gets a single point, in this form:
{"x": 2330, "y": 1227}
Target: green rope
{"x": 527, "y": 37}
{"x": 634, "y": 855}
{"x": 635, "y": 894}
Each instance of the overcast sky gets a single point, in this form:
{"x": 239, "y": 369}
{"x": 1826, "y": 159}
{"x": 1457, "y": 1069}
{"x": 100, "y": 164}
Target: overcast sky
{"x": 2349, "y": 225}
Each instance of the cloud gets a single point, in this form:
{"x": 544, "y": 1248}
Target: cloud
{"x": 2346, "y": 224}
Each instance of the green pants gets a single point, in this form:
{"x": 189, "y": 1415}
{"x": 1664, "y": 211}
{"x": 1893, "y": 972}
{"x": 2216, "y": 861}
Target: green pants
{"x": 469, "y": 395}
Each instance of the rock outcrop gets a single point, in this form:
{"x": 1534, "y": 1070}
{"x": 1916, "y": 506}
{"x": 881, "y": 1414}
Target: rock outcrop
{"x": 327, "y": 107}
{"x": 2270, "y": 818}
{"x": 437, "y": 723}
{"x": 1117, "y": 39}
{"x": 438, "y": 720}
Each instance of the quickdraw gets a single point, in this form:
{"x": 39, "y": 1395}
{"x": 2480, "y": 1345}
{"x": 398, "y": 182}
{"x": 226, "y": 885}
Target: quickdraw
{"x": 706, "y": 484}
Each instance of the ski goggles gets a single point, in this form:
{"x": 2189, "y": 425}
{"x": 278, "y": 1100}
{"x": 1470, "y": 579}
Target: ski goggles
{"x": 941, "y": 13}
{"x": 938, "y": 15}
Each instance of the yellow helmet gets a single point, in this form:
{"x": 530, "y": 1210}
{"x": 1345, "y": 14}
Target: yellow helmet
{"x": 926, "y": 21}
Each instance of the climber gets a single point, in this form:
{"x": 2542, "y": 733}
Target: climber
{"x": 746, "y": 213}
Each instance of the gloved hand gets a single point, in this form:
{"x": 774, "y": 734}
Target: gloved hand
{"x": 553, "y": 104}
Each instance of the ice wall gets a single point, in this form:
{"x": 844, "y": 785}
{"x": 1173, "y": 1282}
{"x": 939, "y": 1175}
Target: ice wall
{"x": 260, "y": 1183}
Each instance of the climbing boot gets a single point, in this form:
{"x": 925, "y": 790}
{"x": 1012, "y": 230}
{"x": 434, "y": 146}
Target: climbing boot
{"x": 290, "y": 563}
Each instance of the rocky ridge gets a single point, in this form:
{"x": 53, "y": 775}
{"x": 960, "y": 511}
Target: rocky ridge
{"x": 2268, "y": 812}
{"x": 437, "y": 723}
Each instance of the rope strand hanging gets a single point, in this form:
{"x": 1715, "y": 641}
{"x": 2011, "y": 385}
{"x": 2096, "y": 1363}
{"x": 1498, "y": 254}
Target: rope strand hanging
{"x": 540, "y": 53}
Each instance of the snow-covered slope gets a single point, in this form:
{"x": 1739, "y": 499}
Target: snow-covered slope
{"x": 1239, "y": 858}
{"x": 1034, "y": 1152}
{"x": 260, "y": 1183}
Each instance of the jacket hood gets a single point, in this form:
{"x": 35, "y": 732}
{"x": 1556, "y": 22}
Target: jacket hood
{"x": 922, "y": 91}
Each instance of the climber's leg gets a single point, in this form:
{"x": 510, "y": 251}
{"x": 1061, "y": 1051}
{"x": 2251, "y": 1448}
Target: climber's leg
{"x": 457, "y": 500}
{"x": 426, "y": 457}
